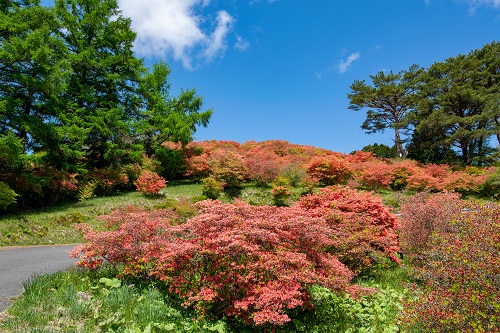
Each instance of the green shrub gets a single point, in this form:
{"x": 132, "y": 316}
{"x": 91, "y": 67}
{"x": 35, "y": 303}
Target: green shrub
{"x": 7, "y": 196}
{"x": 294, "y": 174}
{"x": 280, "y": 191}
{"x": 212, "y": 188}
{"x": 491, "y": 187}
{"x": 228, "y": 168}
{"x": 376, "y": 312}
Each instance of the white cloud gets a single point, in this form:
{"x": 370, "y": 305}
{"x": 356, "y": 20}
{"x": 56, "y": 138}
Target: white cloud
{"x": 173, "y": 27}
{"x": 344, "y": 65}
{"x": 217, "y": 42}
{"x": 241, "y": 44}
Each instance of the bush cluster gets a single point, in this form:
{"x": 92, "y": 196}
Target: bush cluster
{"x": 252, "y": 262}
{"x": 231, "y": 164}
{"x": 150, "y": 182}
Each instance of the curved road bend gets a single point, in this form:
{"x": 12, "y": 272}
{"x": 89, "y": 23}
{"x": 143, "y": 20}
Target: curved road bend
{"x": 19, "y": 264}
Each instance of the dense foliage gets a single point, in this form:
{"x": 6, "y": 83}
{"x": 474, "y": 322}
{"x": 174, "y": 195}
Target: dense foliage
{"x": 76, "y": 99}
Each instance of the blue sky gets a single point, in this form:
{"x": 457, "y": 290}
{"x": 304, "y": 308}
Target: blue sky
{"x": 281, "y": 69}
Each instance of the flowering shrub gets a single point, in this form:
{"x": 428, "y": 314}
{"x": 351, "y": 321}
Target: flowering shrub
{"x": 228, "y": 168}
{"x": 461, "y": 288}
{"x": 422, "y": 215}
{"x": 400, "y": 173}
{"x": 131, "y": 231}
{"x": 263, "y": 167}
{"x": 364, "y": 229}
{"x": 150, "y": 182}
{"x": 197, "y": 167}
{"x": 374, "y": 174}
{"x": 255, "y": 263}
{"x": 465, "y": 181}
{"x": 107, "y": 180}
{"x": 330, "y": 170}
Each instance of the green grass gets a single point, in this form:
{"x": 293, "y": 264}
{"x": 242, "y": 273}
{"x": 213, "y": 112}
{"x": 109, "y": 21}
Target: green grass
{"x": 95, "y": 301}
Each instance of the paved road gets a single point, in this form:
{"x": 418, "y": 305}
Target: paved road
{"x": 19, "y": 264}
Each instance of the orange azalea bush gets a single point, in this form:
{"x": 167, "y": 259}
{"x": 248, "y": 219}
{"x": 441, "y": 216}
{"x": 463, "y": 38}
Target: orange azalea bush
{"x": 330, "y": 170}
{"x": 365, "y": 230}
{"x": 150, "y": 182}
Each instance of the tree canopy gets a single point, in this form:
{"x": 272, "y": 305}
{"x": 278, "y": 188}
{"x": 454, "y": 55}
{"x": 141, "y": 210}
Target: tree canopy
{"x": 73, "y": 89}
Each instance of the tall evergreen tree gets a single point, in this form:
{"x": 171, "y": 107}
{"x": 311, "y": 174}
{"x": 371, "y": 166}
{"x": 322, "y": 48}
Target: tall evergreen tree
{"x": 454, "y": 106}
{"x": 101, "y": 94}
{"x": 32, "y": 73}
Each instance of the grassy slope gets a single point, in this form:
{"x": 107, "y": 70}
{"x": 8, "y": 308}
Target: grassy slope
{"x": 54, "y": 225}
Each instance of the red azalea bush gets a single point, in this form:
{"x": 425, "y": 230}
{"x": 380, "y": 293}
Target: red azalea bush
{"x": 364, "y": 229}
{"x": 150, "y": 182}
{"x": 330, "y": 170}
{"x": 253, "y": 262}
{"x": 131, "y": 230}
{"x": 263, "y": 167}
{"x": 460, "y": 273}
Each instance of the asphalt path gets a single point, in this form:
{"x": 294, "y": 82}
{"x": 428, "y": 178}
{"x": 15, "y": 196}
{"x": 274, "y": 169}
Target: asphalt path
{"x": 20, "y": 264}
